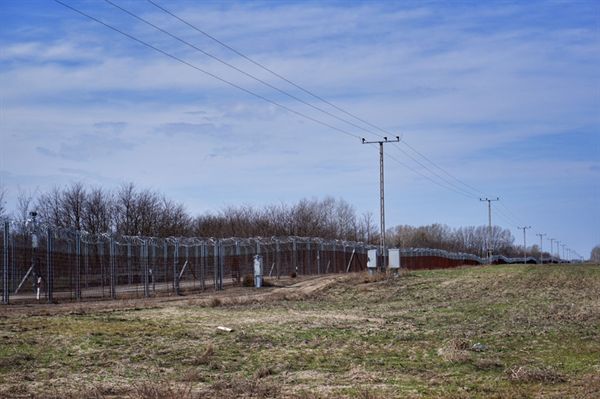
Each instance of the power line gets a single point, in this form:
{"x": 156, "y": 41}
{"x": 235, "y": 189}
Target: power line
{"x": 437, "y": 174}
{"x": 208, "y": 73}
{"x": 265, "y": 68}
{"x": 236, "y": 68}
{"x": 449, "y": 183}
{"x": 416, "y": 171}
{"x": 470, "y": 191}
{"x": 469, "y": 187}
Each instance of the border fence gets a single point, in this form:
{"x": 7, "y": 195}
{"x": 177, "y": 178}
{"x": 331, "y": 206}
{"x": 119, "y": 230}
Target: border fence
{"x": 57, "y": 264}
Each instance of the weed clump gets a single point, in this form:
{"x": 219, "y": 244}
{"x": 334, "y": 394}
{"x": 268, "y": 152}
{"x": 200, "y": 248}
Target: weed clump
{"x": 525, "y": 374}
{"x": 215, "y": 302}
{"x": 455, "y": 351}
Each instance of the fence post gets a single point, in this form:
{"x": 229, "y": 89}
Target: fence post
{"x": 277, "y": 257}
{"x": 5, "y": 294}
{"x": 334, "y": 257}
{"x": 145, "y": 264}
{"x": 113, "y": 268}
{"x": 78, "y": 265}
{"x": 49, "y": 265}
{"x": 202, "y": 264}
{"x": 294, "y": 257}
{"x": 221, "y": 264}
{"x": 175, "y": 272}
{"x": 165, "y": 261}
{"x": 216, "y": 263}
{"x": 153, "y": 268}
{"x": 319, "y": 249}
{"x": 129, "y": 272}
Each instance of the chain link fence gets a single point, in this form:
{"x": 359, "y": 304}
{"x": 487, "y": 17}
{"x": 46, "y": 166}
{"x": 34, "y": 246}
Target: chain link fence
{"x": 55, "y": 264}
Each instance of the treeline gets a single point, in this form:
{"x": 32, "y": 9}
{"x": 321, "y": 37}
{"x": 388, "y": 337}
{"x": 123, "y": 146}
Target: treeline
{"x": 469, "y": 239}
{"x": 129, "y": 210}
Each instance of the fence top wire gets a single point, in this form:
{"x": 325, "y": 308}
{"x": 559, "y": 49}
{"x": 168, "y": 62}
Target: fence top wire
{"x": 71, "y": 234}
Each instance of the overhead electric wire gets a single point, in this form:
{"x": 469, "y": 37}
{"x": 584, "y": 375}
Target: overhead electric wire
{"x": 428, "y": 177}
{"x": 207, "y": 72}
{"x": 512, "y": 214}
{"x": 450, "y": 185}
{"x": 471, "y": 195}
{"x": 265, "y": 68}
{"x": 469, "y": 189}
{"x": 214, "y": 57}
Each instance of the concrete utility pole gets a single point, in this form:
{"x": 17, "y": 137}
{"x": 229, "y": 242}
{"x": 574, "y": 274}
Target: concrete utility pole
{"x": 558, "y": 250}
{"x": 551, "y": 247}
{"x": 541, "y": 235}
{"x": 489, "y": 244}
{"x": 381, "y": 193}
{"x": 524, "y": 228}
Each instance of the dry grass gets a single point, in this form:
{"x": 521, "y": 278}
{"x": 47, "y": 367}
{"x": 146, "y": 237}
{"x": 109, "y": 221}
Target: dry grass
{"x": 526, "y": 374}
{"x": 338, "y": 336}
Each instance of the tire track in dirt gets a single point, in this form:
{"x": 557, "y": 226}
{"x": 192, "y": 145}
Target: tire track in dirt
{"x": 231, "y": 296}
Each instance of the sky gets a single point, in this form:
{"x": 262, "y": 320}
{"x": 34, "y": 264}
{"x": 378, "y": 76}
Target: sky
{"x": 501, "y": 98}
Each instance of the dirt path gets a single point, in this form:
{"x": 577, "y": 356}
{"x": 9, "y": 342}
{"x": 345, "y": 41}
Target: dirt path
{"x": 285, "y": 288}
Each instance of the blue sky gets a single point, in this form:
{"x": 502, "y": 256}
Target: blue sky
{"x": 505, "y": 96}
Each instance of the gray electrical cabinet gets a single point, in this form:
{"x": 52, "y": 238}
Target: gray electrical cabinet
{"x": 372, "y": 258}
{"x": 394, "y": 258}
{"x": 258, "y": 271}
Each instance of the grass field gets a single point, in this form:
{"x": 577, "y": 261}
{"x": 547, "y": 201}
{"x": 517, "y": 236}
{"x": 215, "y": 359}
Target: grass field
{"x": 501, "y": 331}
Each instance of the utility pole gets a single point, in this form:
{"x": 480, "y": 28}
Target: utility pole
{"x": 381, "y": 193}
{"x": 563, "y": 247}
{"x": 551, "y": 248}
{"x": 541, "y": 235}
{"x": 489, "y": 244}
{"x": 524, "y": 228}
{"x": 558, "y": 250}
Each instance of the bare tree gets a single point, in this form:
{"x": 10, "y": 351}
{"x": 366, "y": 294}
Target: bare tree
{"x": 2, "y": 201}
{"x": 23, "y": 208}
{"x": 97, "y": 210}
{"x": 72, "y": 202}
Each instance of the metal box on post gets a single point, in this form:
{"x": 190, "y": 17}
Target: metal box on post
{"x": 394, "y": 258}
{"x": 258, "y": 271}
{"x": 372, "y": 260}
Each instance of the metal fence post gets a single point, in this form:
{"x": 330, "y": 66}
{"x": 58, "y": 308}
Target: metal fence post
{"x": 221, "y": 264}
{"x": 319, "y": 249}
{"x": 145, "y": 265}
{"x": 49, "y": 265}
{"x": 129, "y": 272}
{"x": 153, "y": 268}
{"x": 216, "y": 263}
{"x": 202, "y": 264}
{"x": 277, "y": 257}
{"x": 78, "y": 266}
{"x": 334, "y": 257}
{"x": 5, "y": 294}
{"x": 165, "y": 261}
{"x": 294, "y": 257}
{"x": 112, "y": 265}
{"x": 175, "y": 272}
